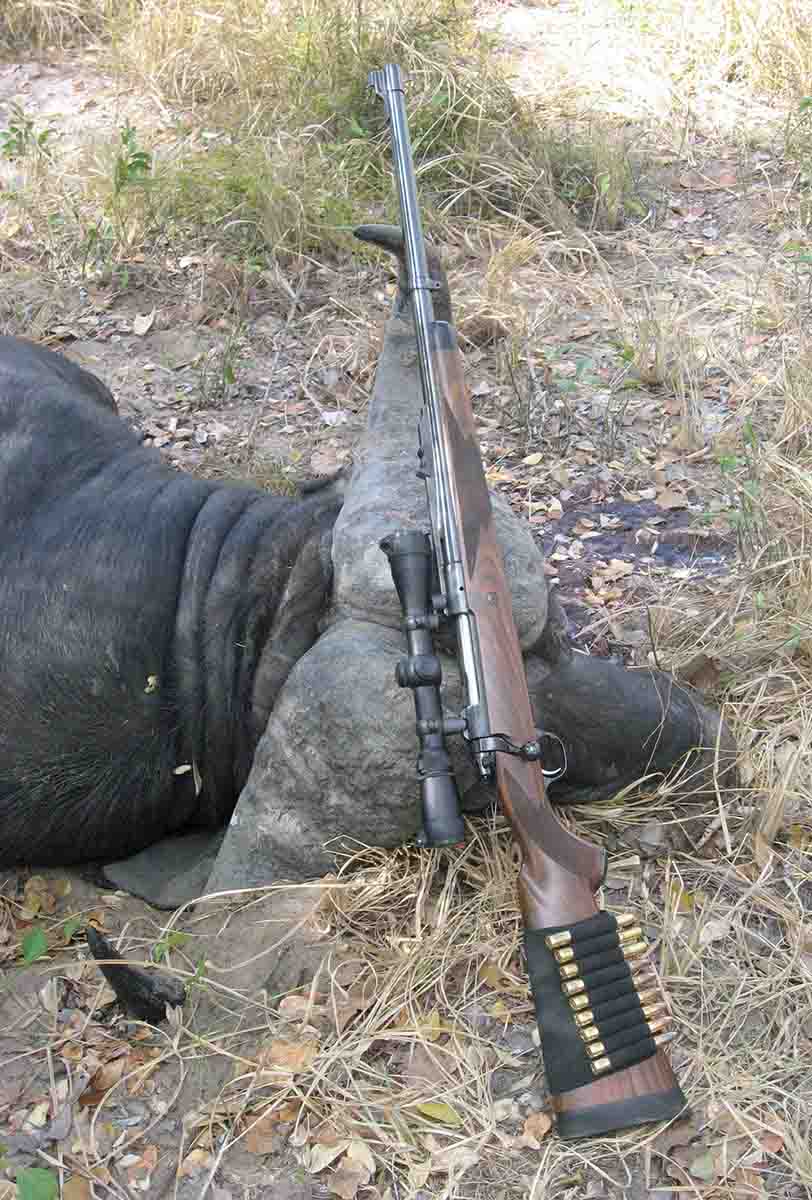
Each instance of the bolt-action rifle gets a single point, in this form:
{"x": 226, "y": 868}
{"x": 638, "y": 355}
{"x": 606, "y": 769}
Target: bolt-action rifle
{"x": 599, "y": 1011}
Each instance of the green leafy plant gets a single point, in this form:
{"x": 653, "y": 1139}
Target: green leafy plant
{"x": 133, "y": 164}
{"x": 22, "y": 139}
{"x": 72, "y": 927}
{"x": 742, "y": 472}
{"x": 34, "y": 944}
{"x": 174, "y": 940}
{"x": 35, "y": 1183}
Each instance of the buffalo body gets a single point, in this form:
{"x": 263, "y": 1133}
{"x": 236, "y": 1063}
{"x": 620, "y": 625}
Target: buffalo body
{"x": 147, "y": 621}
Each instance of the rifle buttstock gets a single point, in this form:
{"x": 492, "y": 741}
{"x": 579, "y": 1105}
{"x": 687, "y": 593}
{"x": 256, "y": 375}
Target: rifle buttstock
{"x": 631, "y": 1082}
{"x": 617, "y": 1076}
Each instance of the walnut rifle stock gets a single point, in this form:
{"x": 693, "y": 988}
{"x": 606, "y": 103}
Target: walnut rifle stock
{"x": 457, "y": 576}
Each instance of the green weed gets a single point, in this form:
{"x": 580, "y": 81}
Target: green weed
{"x": 22, "y": 139}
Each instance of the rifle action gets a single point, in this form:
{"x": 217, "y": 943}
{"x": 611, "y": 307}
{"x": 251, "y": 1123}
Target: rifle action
{"x": 600, "y": 1014}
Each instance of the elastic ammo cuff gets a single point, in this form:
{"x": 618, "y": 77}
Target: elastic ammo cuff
{"x": 588, "y": 1009}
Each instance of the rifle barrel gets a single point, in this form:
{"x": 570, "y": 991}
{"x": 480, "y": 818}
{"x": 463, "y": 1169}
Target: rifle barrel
{"x": 388, "y": 84}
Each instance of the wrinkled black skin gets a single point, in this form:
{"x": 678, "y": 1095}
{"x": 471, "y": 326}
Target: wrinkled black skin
{"x": 147, "y": 622}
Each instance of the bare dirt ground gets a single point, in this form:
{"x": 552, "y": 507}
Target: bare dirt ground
{"x": 647, "y": 360}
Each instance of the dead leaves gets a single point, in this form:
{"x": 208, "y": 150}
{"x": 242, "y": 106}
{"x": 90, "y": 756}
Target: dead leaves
{"x": 283, "y": 1057}
{"x": 142, "y": 323}
{"x": 438, "y": 1110}
{"x": 670, "y": 498}
{"x": 733, "y": 1148}
{"x": 77, "y": 1188}
{"x": 715, "y": 178}
{"x": 454, "y": 1159}
{"x": 41, "y": 896}
{"x": 333, "y": 1012}
{"x": 702, "y": 672}
{"x": 536, "y": 1127}
{"x": 615, "y": 569}
{"x": 263, "y": 1135}
{"x": 134, "y": 1065}
{"x": 354, "y": 1171}
{"x": 800, "y": 838}
{"x": 355, "y": 1163}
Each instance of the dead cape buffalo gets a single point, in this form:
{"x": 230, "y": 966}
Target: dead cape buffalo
{"x": 162, "y": 645}
{"x": 147, "y": 622}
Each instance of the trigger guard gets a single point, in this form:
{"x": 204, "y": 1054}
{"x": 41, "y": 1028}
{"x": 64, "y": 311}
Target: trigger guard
{"x": 551, "y": 776}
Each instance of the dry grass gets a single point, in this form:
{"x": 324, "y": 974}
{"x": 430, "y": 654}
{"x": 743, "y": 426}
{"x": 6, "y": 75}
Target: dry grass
{"x": 400, "y": 1039}
{"x": 52, "y": 23}
{"x": 763, "y": 44}
{"x": 265, "y": 140}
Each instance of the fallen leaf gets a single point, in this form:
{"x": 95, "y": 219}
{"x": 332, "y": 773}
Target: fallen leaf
{"x": 344, "y": 1012}
{"x": 422, "y": 1067}
{"x": 290, "y": 1056}
{"x": 767, "y": 1130}
{"x": 76, "y": 1188}
{"x": 438, "y": 1110}
{"x": 680, "y": 1133}
{"x": 143, "y": 323}
{"x": 532, "y": 460}
{"x": 616, "y": 569}
{"x": 338, "y": 416}
{"x": 49, "y": 997}
{"x": 321, "y": 1155}
{"x": 536, "y": 1128}
{"x": 713, "y": 931}
{"x": 432, "y": 1027}
{"x": 773, "y": 1143}
{"x": 800, "y": 838}
{"x": 419, "y": 1174}
{"x": 505, "y": 1109}
{"x": 328, "y": 1134}
{"x": 358, "y": 1151}
{"x": 9, "y": 228}
{"x": 701, "y": 671}
{"x": 39, "y": 895}
{"x": 749, "y": 1183}
{"x": 38, "y": 1117}
{"x": 490, "y": 973}
{"x": 348, "y": 1177}
{"x": 298, "y": 1008}
{"x": 671, "y": 499}
{"x": 680, "y": 900}
{"x": 262, "y": 1136}
{"x": 325, "y": 461}
{"x": 454, "y": 1158}
{"x": 710, "y": 181}
{"x": 704, "y": 1166}
{"x": 194, "y": 1162}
